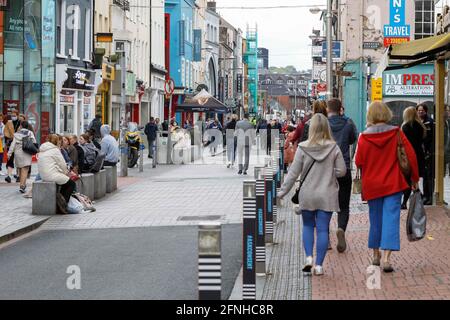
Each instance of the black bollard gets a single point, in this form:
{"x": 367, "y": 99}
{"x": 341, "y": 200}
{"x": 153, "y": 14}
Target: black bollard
{"x": 260, "y": 222}
{"x": 268, "y": 182}
{"x": 249, "y": 241}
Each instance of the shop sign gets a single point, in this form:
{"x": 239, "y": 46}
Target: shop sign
{"x": 317, "y": 51}
{"x": 67, "y": 97}
{"x": 108, "y": 72}
{"x": 9, "y": 106}
{"x": 319, "y": 71}
{"x": 371, "y": 45}
{"x": 377, "y": 89}
{"x": 131, "y": 84}
{"x": 418, "y": 81}
{"x": 197, "y": 45}
{"x": 79, "y": 79}
{"x": 4, "y": 5}
{"x": 397, "y": 27}
{"x": 337, "y": 52}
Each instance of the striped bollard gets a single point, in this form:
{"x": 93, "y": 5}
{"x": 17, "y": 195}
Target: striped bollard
{"x": 209, "y": 261}
{"x": 268, "y": 182}
{"x": 249, "y": 241}
{"x": 260, "y": 222}
{"x": 275, "y": 173}
{"x": 282, "y": 143}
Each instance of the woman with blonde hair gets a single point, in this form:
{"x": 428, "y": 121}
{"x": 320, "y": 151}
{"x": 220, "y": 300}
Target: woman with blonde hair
{"x": 416, "y": 132}
{"x": 319, "y": 162}
{"x": 383, "y": 182}
{"x": 319, "y": 107}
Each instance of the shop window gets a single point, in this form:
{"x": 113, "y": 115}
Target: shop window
{"x": 13, "y": 42}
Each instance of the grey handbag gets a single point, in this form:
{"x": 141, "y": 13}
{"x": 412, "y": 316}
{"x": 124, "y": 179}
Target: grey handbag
{"x": 416, "y": 223}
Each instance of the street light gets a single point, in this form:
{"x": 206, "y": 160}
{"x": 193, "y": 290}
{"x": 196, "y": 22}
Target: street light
{"x": 315, "y": 10}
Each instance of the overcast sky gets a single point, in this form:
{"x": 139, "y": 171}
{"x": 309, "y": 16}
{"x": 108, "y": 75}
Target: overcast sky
{"x": 283, "y": 31}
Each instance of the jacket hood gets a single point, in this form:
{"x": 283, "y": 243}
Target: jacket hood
{"x": 337, "y": 123}
{"x": 381, "y": 139}
{"x": 19, "y": 135}
{"x": 47, "y": 146}
{"x": 318, "y": 153}
{"x": 105, "y": 130}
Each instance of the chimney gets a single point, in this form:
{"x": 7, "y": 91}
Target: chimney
{"x": 212, "y": 5}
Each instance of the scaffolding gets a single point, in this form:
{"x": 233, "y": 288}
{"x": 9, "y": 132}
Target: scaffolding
{"x": 251, "y": 60}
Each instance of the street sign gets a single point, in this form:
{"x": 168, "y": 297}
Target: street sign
{"x": 377, "y": 89}
{"x": 337, "y": 51}
{"x": 169, "y": 86}
{"x": 104, "y": 37}
{"x": 371, "y": 45}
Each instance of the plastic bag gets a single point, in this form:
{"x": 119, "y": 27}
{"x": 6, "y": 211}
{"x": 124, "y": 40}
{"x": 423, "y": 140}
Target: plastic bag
{"x": 416, "y": 223}
{"x": 74, "y": 206}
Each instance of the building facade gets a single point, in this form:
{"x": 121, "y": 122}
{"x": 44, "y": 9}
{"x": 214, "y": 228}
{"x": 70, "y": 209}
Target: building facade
{"x": 27, "y": 62}
{"x": 76, "y": 80}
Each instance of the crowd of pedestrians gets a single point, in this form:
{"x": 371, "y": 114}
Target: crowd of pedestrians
{"x": 318, "y": 152}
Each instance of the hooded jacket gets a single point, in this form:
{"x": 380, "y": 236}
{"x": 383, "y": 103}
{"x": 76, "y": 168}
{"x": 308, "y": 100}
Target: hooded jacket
{"x": 51, "y": 164}
{"x": 345, "y": 134}
{"x": 376, "y": 155}
{"x": 320, "y": 190}
{"x": 110, "y": 146}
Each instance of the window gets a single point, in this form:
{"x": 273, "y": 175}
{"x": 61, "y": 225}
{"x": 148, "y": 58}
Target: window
{"x": 62, "y": 28}
{"x": 87, "y": 35}
{"x": 424, "y": 20}
{"x": 76, "y": 27}
{"x": 279, "y": 81}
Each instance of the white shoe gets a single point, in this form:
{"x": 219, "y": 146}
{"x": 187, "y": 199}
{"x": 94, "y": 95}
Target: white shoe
{"x": 308, "y": 265}
{"x": 318, "y": 271}
{"x": 2, "y": 174}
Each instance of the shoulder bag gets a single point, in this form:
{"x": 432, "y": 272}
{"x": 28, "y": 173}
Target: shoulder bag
{"x": 403, "y": 160}
{"x": 357, "y": 184}
{"x": 297, "y": 192}
{"x": 28, "y": 146}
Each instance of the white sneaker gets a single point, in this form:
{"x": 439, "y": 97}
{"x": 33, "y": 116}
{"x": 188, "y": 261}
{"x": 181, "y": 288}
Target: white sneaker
{"x": 2, "y": 174}
{"x": 308, "y": 265}
{"x": 318, "y": 271}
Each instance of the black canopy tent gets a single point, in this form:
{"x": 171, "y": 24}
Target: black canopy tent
{"x": 212, "y": 105}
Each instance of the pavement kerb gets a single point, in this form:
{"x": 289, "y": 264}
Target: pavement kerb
{"x": 20, "y": 229}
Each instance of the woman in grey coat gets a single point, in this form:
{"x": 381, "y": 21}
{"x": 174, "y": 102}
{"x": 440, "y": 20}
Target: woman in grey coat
{"x": 22, "y": 160}
{"x": 321, "y": 160}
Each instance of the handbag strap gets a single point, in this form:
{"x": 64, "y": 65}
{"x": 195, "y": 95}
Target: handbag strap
{"x": 306, "y": 175}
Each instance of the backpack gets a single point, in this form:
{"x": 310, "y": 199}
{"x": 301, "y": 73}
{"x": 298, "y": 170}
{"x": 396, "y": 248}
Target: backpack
{"x": 89, "y": 154}
{"x": 85, "y": 202}
{"x": 98, "y": 163}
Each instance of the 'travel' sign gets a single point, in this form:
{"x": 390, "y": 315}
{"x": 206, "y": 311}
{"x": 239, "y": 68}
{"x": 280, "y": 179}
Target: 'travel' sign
{"x": 397, "y": 27}
{"x": 419, "y": 81}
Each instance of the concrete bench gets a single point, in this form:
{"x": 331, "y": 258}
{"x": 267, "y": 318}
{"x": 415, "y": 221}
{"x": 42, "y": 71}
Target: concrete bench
{"x": 88, "y": 185}
{"x": 100, "y": 184}
{"x": 44, "y": 198}
{"x": 111, "y": 179}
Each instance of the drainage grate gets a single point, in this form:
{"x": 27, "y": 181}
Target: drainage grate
{"x": 199, "y": 218}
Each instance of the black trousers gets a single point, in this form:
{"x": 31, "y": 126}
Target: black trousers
{"x": 345, "y": 193}
{"x": 428, "y": 180}
{"x": 67, "y": 189}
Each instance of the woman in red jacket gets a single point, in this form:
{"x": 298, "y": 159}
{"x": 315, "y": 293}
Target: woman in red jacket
{"x": 382, "y": 180}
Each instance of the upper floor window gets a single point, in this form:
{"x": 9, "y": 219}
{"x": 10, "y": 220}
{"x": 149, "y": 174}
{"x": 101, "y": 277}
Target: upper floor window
{"x": 424, "y": 22}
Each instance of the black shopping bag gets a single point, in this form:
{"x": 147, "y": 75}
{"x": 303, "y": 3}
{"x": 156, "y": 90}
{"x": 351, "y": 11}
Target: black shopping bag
{"x": 416, "y": 223}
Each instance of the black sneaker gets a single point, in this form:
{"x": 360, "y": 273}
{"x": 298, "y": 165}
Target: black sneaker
{"x": 8, "y": 179}
{"x": 240, "y": 172}
{"x": 245, "y": 173}
{"x": 342, "y": 245}
{"x": 22, "y": 189}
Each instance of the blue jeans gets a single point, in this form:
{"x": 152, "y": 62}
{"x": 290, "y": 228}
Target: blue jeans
{"x": 321, "y": 221}
{"x": 384, "y": 215}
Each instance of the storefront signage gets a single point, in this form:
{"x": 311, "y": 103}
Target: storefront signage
{"x": 4, "y": 5}
{"x": 319, "y": 70}
{"x": 9, "y": 106}
{"x": 131, "y": 84}
{"x": 317, "y": 51}
{"x": 417, "y": 81}
{"x": 377, "y": 89}
{"x": 337, "y": 51}
{"x": 397, "y": 27}
{"x": 79, "y": 79}
{"x": 67, "y": 99}
{"x": 108, "y": 72}
{"x": 197, "y": 45}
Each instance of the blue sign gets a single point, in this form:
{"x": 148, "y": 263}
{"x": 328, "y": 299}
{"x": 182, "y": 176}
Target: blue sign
{"x": 197, "y": 45}
{"x": 397, "y": 27}
{"x": 336, "y": 53}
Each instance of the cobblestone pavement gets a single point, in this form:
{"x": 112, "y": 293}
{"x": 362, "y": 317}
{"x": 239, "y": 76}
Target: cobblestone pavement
{"x": 421, "y": 268}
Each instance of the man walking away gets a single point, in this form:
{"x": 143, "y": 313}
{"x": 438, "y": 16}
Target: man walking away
{"x": 345, "y": 133}
{"x": 150, "y": 131}
{"x": 428, "y": 144}
{"x": 245, "y": 135}
{"x": 110, "y": 147}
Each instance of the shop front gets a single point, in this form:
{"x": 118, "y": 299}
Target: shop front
{"x": 76, "y": 102}
{"x": 27, "y": 62}
{"x": 405, "y": 88}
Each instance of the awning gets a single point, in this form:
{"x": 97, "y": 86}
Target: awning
{"x": 422, "y": 48}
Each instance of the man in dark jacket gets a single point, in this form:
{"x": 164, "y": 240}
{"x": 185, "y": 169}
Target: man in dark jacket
{"x": 428, "y": 145}
{"x": 95, "y": 126}
{"x": 345, "y": 133}
{"x": 150, "y": 131}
